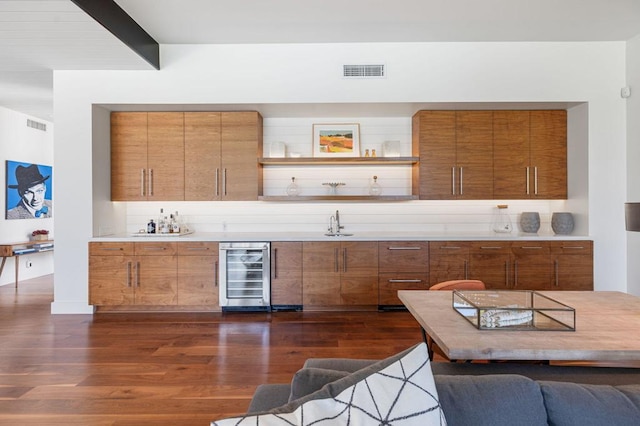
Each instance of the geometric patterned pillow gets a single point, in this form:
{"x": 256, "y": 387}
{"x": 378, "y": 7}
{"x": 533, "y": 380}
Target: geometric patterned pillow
{"x": 401, "y": 394}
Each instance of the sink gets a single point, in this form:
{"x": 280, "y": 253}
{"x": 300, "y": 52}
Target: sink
{"x": 339, "y": 234}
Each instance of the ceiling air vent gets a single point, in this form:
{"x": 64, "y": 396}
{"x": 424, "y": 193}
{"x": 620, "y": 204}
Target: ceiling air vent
{"x": 36, "y": 125}
{"x": 363, "y": 71}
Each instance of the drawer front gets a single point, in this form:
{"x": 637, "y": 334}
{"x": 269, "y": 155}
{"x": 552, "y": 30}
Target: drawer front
{"x": 490, "y": 247}
{"x": 409, "y": 256}
{"x": 111, "y": 249}
{"x": 571, "y": 247}
{"x": 389, "y": 284}
{"x": 197, "y": 248}
{"x": 156, "y": 249}
{"x": 530, "y": 248}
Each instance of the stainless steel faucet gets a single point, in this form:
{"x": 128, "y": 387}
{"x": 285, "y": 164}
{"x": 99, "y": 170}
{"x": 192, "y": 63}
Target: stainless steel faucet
{"x": 338, "y": 226}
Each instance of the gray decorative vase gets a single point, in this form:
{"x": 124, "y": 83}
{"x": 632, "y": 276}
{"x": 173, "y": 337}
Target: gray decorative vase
{"x": 562, "y": 222}
{"x": 529, "y": 222}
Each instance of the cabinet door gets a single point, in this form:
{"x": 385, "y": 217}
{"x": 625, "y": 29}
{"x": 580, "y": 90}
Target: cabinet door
{"x": 573, "y": 265}
{"x": 549, "y": 154}
{"x": 198, "y": 274}
{"x": 490, "y": 262}
{"x": 474, "y": 155}
{"x": 202, "y": 165}
{"x": 389, "y": 283}
{"x": 286, "y": 273}
{"x": 155, "y": 274}
{"x": 448, "y": 260}
{"x": 241, "y": 147}
{"x": 165, "y": 155}
{"x": 129, "y": 156}
{"x": 321, "y": 273}
{"x": 359, "y": 278}
{"x": 111, "y": 280}
{"x": 532, "y": 266}
{"x": 436, "y": 135}
{"x": 511, "y": 155}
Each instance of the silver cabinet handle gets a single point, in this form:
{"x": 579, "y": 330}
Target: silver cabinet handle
{"x": 527, "y": 180}
{"x": 215, "y": 269}
{"x": 506, "y": 274}
{"x": 136, "y": 268}
{"x": 453, "y": 181}
{"x": 150, "y": 182}
{"x": 111, "y": 249}
{"x": 461, "y": 180}
{"x": 335, "y": 259}
{"x": 535, "y": 180}
{"x": 490, "y": 248}
{"x": 142, "y": 182}
{"x": 515, "y": 274}
{"x": 404, "y": 248}
{"x": 197, "y": 248}
{"x": 556, "y": 269}
{"x": 344, "y": 259}
{"x": 572, "y": 247}
{"x": 530, "y": 247}
{"x": 155, "y": 248}
{"x": 405, "y": 281}
{"x": 275, "y": 263}
{"x": 224, "y": 181}
{"x": 129, "y": 274}
{"x": 217, "y": 182}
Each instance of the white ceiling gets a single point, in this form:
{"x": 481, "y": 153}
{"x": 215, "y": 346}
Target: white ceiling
{"x": 38, "y": 36}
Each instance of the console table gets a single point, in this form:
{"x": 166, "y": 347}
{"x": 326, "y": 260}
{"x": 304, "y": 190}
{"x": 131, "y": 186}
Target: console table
{"x": 18, "y": 249}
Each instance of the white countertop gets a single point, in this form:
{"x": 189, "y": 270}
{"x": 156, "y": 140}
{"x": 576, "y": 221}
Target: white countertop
{"x": 357, "y": 236}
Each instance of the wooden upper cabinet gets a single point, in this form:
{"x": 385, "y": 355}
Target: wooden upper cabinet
{"x": 128, "y": 156}
{"x": 511, "y": 154}
{"x": 202, "y": 161}
{"x": 456, "y": 154}
{"x": 474, "y": 155}
{"x": 549, "y": 154}
{"x": 165, "y": 156}
{"x": 434, "y": 132}
{"x": 530, "y": 154}
{"x": 241, "y": 148}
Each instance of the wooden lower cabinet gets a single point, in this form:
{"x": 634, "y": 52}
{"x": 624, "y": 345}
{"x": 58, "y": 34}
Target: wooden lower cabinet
{"x": 402, "y": 265}
{"x": 490, "y": 262}
{"x": 286, "y": 274}
{"x": 198, "y": 264}
{"x": 448, "y": 260}
{"x": 532, "y": 266}
{"x": 339, "y": 274}
{"x": 573, "y": 265}
{"x": 133, "y": 274}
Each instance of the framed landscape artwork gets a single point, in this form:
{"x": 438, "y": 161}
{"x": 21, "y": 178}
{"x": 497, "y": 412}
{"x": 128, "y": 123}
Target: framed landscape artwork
{"x": 336, "y": 140}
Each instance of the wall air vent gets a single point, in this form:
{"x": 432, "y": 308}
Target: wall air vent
{"x": 363, "y": 71}
{"x": 36, "y": 125}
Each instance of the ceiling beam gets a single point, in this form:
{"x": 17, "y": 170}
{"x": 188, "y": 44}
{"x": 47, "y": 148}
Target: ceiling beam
{"x": 111, "y": 16}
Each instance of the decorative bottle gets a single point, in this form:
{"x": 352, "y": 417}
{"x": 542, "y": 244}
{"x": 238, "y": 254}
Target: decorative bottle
{"x": 501, "y": 219}
{"x": 151, "y": 227}
{"x": 293, "y": 189}
{"x": 375, "y": 189}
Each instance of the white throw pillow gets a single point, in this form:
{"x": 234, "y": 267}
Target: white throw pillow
{"x": 402, "y": 394}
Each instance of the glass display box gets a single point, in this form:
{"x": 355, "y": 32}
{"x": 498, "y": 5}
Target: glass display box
{"x": 513, "y": 310}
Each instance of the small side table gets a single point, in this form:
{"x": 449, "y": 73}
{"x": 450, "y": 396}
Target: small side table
{"x": 18, "y": 249}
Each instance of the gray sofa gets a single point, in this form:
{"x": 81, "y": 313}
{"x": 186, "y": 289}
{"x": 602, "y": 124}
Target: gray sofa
{"x": 491, "y": 394}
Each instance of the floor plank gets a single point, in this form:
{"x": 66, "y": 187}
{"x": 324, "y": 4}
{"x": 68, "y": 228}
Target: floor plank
{"x": 116, "y": 369}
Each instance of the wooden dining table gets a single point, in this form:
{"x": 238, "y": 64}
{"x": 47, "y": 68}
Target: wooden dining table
{"x": 607, "y": 328}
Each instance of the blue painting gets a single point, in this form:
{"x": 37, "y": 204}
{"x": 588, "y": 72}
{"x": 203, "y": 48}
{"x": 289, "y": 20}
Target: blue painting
{"x": 29, "y": 191}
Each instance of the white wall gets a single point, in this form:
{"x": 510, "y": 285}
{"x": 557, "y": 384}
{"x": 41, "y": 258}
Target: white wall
{"x": 633, "y": 157}
{"x": 306, "y": 79}
{"x": 24, "y": 144}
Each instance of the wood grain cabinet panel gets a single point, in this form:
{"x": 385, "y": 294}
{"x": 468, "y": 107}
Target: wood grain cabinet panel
{"x": 129, "y": 171}
{"x": 448, "y": 260}
{"x": 340, "y": 274}
{"x": 286, "y": 273}
{"x": 549, "y": 153}
{"x": 202, "y": 161}
{"x": 402, "y": 265}
{"x": 474, "y": 155}
{"x": 165, "y": 156}
{"x": 573, "y": 265}
{"x": 511, "y": 144}
{"x": 532, "y": 266}
{"x": 490, "y": 262}
{"x": 198, "y": 268}
{"x": 146, "y": 276}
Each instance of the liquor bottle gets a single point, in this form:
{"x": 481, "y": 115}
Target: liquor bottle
{"x": 151, "y": 227}
{"x": 176, "y": 223}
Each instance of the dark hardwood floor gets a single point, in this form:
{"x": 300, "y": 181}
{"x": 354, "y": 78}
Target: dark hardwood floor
{"x": 164, "y": 369}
